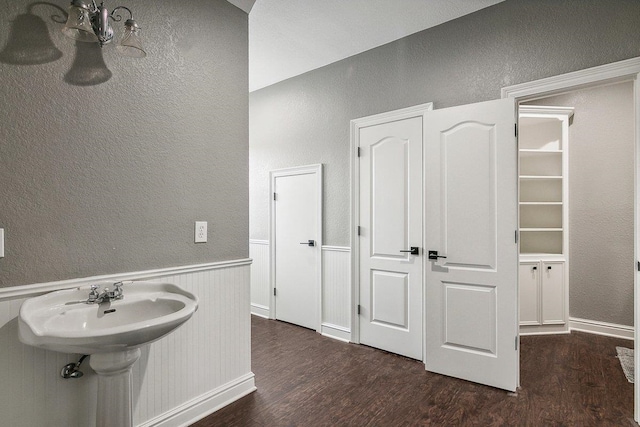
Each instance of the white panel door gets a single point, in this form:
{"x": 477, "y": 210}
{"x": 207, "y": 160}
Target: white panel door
{"x": 297, "y": 264}
{"x": 471, "y": 218}
{"x": 391, "y": 223}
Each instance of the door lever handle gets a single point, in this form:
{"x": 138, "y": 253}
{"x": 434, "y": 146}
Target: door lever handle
{"x": 434, "y": 255}
{"x": 413, "y": 251}
{"x": 309, "y": 243}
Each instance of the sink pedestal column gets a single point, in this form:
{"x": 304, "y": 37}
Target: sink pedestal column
{"x": 115, "y": 406}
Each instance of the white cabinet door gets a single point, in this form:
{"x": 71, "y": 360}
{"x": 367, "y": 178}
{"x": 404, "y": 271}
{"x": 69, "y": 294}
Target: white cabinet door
{"x": 553, "y": 293}
{"x": 471, "y": 218}
{"x": 529, "y": 293}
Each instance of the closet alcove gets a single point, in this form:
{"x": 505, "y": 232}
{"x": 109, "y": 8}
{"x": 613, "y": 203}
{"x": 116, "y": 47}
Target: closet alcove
{"x": 543, "y": 139}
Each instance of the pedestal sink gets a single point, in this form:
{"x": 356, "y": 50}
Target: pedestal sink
{"x": 111, "y": 332}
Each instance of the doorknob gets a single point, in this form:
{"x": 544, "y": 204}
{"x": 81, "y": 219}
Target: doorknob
{"x": 413, "y": 251}
{"x": 309, "y": 243}
{"x": 434, "y": 255}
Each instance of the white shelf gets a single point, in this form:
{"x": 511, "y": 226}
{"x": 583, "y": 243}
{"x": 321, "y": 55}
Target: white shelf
{"x": 540, "y": 151}
{"x": 540, "y": 177}
{"x": 537, "y": 256}
{"x": 541, "y": 203}
{"x": 539, "y": 229}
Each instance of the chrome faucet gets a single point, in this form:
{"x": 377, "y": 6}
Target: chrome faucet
{"x": 106, "y": 294}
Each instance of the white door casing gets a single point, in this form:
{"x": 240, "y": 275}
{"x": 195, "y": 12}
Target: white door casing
{"x": 471, "y": 218}
{"x": 296, "y": 266}
{"x": 625, "y": 70}
{"x": 389, "y": 217}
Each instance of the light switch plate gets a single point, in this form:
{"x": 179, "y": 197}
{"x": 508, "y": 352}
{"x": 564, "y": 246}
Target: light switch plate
{"x": 201, "y": 232}
{"x": 1, "y": 242}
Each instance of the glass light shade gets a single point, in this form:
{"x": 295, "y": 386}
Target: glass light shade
{"x": 131, "y": 45}
{"x": 78, "y": 26}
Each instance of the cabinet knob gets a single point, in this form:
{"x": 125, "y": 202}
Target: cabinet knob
{"x": 548, "y": 267}
{"x": 535, "y": 268}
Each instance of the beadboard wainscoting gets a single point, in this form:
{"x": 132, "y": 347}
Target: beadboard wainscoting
{"x": 259, "y": 253}
{"x": 200, "y": 367}
{"x": 336, "y": 288}
{"x": 336, "y": 292}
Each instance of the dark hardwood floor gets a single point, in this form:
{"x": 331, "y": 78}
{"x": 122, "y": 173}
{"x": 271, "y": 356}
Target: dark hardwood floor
{"x": 305, "y": 379}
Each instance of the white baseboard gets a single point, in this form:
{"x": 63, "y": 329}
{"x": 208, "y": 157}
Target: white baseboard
{"x": 206, "y": 404}
{"x": 544, "y": 329}
{"x": 530, "y": 334}
{"x": 336, "y": 332}
{"x": 260, "y": 310}
{"x": 601, "y": 328}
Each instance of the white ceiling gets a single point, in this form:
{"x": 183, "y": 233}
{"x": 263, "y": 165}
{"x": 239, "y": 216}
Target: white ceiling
{"x": 291, "y": 37}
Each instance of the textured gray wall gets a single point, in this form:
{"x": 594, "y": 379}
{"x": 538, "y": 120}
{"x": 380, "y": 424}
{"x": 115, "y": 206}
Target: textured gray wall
{"x": 601, "y": 162}
{"x": 306, "y": 119}
{"x": 107, "y": 161}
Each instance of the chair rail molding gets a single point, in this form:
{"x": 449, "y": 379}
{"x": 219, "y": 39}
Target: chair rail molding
{"x": 35, "y": 289}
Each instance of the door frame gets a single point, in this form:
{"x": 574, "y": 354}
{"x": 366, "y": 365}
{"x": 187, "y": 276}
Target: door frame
{"x": 616, "y": 72}
{"x": 315, "y": 169}
{"x": 355, "y": 126}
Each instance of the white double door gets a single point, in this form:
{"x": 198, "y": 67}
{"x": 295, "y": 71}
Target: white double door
{"x": 447, "y": 180}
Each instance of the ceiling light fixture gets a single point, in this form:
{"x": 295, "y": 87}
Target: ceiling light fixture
{"x": 90, "y": 23}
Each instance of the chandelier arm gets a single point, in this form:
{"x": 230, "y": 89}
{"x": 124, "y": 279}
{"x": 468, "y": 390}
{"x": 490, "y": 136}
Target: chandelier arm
{"x": 55, "y": 18}
{"x": 118, "y": 18}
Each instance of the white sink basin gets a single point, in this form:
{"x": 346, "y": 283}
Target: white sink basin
{"x": 62, "y": 321}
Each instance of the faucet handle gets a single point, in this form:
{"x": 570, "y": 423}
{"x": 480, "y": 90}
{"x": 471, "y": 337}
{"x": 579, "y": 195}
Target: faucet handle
{"x": 93, "y": 295}
{"x": 118, "y": 291}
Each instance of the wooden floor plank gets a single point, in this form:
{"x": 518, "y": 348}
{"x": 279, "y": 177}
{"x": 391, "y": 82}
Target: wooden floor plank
{"x": 305, "y": 379}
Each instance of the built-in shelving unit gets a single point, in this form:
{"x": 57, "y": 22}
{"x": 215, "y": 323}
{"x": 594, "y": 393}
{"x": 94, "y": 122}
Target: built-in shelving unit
{"x": 543, "y": 160}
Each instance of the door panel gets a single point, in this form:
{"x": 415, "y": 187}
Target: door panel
{"x": 471, "y": 218}
{"x": 469, "y": 236}
{"x": 473, "y": 304}
{"x": 297, "y": 265}
{"x": 391, "y": 221}
{"x": 389, "y": 184}
{"x": 390, "y": 298}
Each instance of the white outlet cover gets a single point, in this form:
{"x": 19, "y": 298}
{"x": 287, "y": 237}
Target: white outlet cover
{"x": 201, "y": 232}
